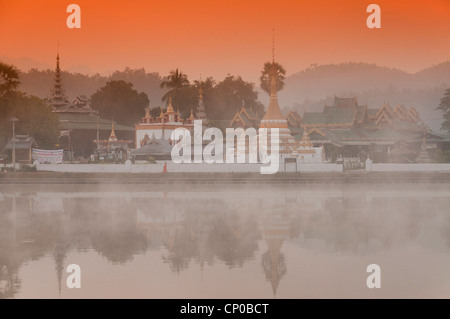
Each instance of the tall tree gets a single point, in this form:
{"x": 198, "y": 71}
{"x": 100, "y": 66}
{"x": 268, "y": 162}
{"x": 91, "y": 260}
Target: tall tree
{"x": 185, "y": 99}
{"x": 228, "y": 96}
{"x": 174, "y": 82}
{"x": 445, "y": 107}
{"x": 9, "y": 79}
{"x": 118, "y": 101}
{"x": 265, "y": 76}
{"x": 35, "y": 118}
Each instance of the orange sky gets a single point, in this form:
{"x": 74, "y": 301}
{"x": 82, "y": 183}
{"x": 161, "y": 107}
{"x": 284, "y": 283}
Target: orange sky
{"x": 225, "y": 36}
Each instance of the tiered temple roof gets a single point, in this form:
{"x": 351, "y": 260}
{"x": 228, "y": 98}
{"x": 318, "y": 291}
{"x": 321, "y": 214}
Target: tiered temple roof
{"x": 245, "y": 118}
{"x": 345, "y": 123}
{"x": 78, "y": 119}
{"x": 294, "y": 120}
{"x": 345, "y": 102}
{"x": 346, "y": 113}
{"x": 59, "y": 101}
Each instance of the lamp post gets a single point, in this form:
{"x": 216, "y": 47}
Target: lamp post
{"x": 14, "y": 120}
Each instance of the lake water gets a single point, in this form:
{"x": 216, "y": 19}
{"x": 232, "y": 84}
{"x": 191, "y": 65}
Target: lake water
{"x": 225, "y": 241}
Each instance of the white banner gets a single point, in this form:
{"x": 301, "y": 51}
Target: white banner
{"x": 48, "y": 156}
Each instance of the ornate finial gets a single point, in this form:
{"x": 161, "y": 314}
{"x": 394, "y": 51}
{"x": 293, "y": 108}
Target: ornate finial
{"x": 273, "y": 45}
{"x": 57, "y": 58}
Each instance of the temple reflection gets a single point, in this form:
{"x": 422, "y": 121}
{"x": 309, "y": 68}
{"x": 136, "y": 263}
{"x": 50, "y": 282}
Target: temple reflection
{"x": 199, "y": 229}
{"x": 275, "y": 229}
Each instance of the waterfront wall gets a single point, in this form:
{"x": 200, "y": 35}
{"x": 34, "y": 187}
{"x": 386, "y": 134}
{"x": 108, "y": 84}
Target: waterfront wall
{"x": 182, "y": 168}
{"x": 419, "y": 167}
{"x": 234, "y": 168}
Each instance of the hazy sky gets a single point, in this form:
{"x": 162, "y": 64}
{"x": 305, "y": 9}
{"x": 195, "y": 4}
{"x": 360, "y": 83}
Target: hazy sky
{"x": 230, "y": 36}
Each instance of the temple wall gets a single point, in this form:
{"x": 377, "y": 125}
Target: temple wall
{"x": 226, "y": 168}
{"x": 320, "y": 168}
{"x": 179, "y": 168}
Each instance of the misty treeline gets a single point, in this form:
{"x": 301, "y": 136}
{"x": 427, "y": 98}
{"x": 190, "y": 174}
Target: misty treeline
{"x": 221, "y": 98}
{"x": 40, "y": 83}
{"x": 308, "y": 90}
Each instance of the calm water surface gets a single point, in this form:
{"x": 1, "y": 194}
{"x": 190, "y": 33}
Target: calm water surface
{"x": 225, "y": 241}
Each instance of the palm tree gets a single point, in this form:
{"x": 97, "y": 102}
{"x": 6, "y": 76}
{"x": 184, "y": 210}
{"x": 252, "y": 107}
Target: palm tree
{"x": 175, "y": 81}
{"x": 265, "y": 76}
{"x": 9, "y": 79}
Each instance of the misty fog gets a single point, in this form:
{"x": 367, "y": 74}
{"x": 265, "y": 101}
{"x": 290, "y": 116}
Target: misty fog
{"x": 225, "y": 241}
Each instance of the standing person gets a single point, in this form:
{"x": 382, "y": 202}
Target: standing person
{"x": 165, "y": 167}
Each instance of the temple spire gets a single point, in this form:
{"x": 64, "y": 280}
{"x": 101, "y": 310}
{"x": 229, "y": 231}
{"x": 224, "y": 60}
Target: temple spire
{"x": 273, "y": 46}
{"x": 112, "y": 136}
{"x": 170, "y": 107}
{"x": 58, "y": 100}
{"x": 201, "y": 111}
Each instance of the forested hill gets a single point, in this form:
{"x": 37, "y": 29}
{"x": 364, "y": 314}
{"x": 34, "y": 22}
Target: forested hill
{"x": 40, "y": 83}
{"x": 311, "y": 88}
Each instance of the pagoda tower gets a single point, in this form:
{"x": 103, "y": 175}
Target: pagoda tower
{"x": 58, "y": 100}
{"x": 275, "y": 229}
{"x": 275, "y": 119}
{"x": 201, "y": 112}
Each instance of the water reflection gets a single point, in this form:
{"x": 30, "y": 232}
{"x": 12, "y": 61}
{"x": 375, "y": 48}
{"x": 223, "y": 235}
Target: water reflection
{"x": 217, "y": 226}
